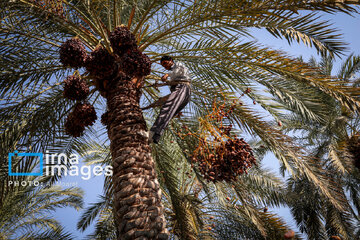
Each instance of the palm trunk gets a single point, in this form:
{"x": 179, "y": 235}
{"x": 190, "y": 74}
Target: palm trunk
{"x": 138, "y": 209}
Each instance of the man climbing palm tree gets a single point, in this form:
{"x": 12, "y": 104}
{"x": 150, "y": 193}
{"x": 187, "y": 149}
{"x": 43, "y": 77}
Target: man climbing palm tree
{"x": 180, "y": 96}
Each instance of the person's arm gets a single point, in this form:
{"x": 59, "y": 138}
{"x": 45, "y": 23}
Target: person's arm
{"x": 164, "y": 78}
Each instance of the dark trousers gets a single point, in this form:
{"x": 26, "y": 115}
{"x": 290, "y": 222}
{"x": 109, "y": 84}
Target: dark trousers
{"x": 178, "y": 99}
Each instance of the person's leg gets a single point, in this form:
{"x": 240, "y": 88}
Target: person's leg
{"x": 177, "y": 100}
{"x": 184, "y": 103}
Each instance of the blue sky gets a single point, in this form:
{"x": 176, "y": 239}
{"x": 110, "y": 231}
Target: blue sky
{"x": 347, "y": 25}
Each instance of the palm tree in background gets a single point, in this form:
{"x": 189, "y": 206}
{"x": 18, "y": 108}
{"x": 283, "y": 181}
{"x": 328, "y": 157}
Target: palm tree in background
{"x": 24, "y": 212}
{"x": 209, "y": 36}
{"x": 25, "y": 208}
{"x": 329, "y": 141}
{"x": 27, "y": 203}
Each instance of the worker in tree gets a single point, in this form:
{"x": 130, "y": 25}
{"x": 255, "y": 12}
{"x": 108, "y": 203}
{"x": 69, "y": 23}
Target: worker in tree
{"x": 180, "y": 96}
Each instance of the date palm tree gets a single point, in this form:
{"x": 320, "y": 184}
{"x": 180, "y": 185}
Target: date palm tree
{"x": 328, "y": 141}
{"x": 211, "y": 37}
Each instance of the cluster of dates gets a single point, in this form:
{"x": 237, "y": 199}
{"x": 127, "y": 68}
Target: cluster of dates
{"x": 124, "y": 63}
{"x": 83, "y": 114}
{"x": 52, "y": 6}
{"x": 226, "y": 161}
{"x": 226, "y": 156}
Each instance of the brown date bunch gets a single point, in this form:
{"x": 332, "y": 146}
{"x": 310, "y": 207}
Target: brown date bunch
{"x": 122, "y": 40}
{"x": 85, "y": 113}
{"x": 75, "y": 88}
{"x": 220, "y": 155}
{"x": 73, "y": 126}
{"x": 73, "y": 53}
{"x": 225, "y": 129}
{"x": 227, "y": 161}
{"x": 136, "y": 63}
{"x": 51, "y": 6}
{"x": 101, "y": 63}
{"x": 105, "y": 118}
{"x": 354, "y": 148}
